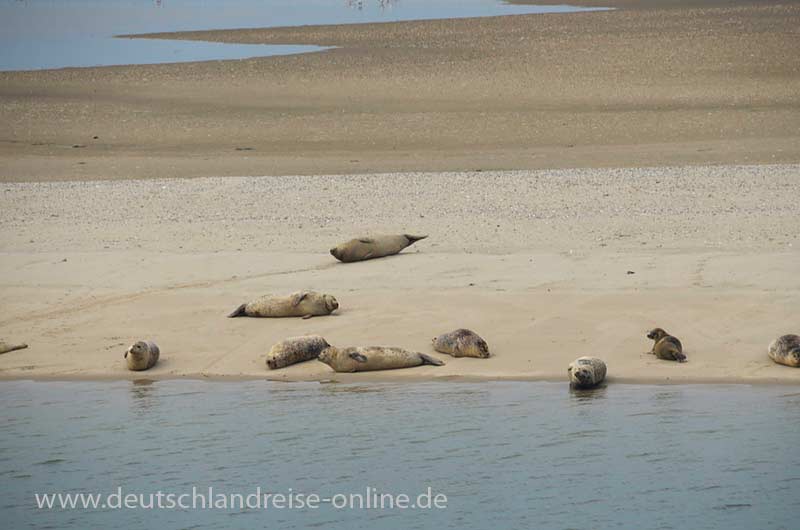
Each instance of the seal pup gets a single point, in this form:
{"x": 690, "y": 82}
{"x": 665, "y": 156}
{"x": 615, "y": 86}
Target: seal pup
{"x": 461, "y": 343}
{"x": 142, "y": 355}
{"x": 295, "y": 350}
{"x": 586, "y": 372}
{"x": 363, "y": 248}
{"x": 665, "y": 346}
{"x": 304, "y": 304}
{"x": 6, "y": 347}
{"x": 785, "y": 350}
{"x": 357, "y": 359}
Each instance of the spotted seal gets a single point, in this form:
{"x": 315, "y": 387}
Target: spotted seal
{"x": 586, "y": 372}
{"x": 6, "y": 347}
{"x": 304, "y": 304}
{"x": 295, "y": 350}
{"x": 364, "y": 248}
{"x": 461, "y": 343}
{"x": 665, "y": 346}
{"x": 785, "y": 350}
{"x": 142, "y": 355}
{"x": 357, "y": 359}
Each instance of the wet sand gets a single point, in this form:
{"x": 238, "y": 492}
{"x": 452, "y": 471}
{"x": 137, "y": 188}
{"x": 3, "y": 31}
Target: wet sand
{"x": 546, "y": 265}
{"x": 677, "y": 83}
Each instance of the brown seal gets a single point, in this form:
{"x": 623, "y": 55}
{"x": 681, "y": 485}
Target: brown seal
{"x": 6, "y": 347}
{"x": 665, "y": 346}
{"x": 461, "y": 343}
{"x": 586, "y": 372}
{"x": 295, "y": 350}
{"x": 785, "y": 350}
{"x": 142, "y": 355}
{"x": 373, "y": 358}
{"x": 363, "y": 248}
{"x": 304, "y": 304}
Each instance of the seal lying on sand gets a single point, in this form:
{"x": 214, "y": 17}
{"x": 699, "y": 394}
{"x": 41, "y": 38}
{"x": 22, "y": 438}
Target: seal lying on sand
{"x": 142, "y": 355}
{"x": 666, "y": 346}
{"x": 295, "y": 350}
{"x": 304, "y": 304}
{"x": 373, "y": 358}
{"x": 372, "y": 247}
{"x": 461, "y": 343}
{"x": 785, "y": 350}
{"x": 586, "y": 372}
{"x": 6, "y": 347}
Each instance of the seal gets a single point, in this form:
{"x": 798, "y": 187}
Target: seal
{"x": 586, "y": 372}
{"x": 461, "y": 343}
{"x": 142, "y": 355}
{"x": 295, "y": 350}
{"x": 6, "y": 347}
{"x": 364, "y": 248}
{"x": 665, "y": 346}
{"x": 785, "y": 350}
{"x": 304, "y": 304}
{"x": 373, "y": 358}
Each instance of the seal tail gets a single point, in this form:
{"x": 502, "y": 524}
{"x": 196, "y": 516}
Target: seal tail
{"x": 238, "y": 312}
{"x": 413, "y": 239}
{"x": 427, "y": 359}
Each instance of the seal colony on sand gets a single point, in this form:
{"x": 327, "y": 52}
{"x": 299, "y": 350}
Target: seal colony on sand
{"x": 665, "y": 346}
{"x": 461, "y": 343}
{"x": 586, "y": 372}
{"x": 295, "y": 350}
{"x": 6, "y": 347}
{"x": 785, "y": 350}
{"x": 357, "y": 359}
{"x": 304, "y": 304}
{"x": 364, "y": 248}
{"x": 142, "y": 355}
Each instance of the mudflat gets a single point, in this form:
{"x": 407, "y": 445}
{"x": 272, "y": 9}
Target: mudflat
{"x": 675, "y": 83}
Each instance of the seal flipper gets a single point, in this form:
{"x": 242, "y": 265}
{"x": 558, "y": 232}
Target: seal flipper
{"x": 298, "y": 297}
{"x": 366, "y": 240}
{"x": 413, "y": 239}
{"x": 681, "y": 358}
{"x": 427, "y": 359}
{"x": 306, "y": 317}
{"x": 238, "y": 312}
{"x": 358, "y": 357}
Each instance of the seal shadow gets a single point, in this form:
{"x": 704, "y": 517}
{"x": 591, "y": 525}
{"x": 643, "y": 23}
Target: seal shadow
{"x": 586, "y": 395}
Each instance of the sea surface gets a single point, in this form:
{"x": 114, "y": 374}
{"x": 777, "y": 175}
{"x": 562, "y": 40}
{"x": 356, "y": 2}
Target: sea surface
{"x": 505, "y": 455}
{"x": 40, "y": 34}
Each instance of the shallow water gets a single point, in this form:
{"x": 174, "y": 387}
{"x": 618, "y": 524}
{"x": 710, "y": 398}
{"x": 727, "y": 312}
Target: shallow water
{"x": 506, "y": 455}
{"x": 36, "y": 34}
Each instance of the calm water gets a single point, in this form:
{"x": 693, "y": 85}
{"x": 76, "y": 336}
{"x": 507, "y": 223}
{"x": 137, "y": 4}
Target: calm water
{"x": 36, "y": 34}
{"x": 507, "y": 455}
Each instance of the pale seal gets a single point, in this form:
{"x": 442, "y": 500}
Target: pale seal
{"x": 304, "y": 304}
{"x": 6, "y": 347}
{"x": 295, "y": 350}
{"x": 142, "y": 355}
{"x": 785, "y": 350}
{"x": 665, "y": 346}
{"x": 364, "y": 248}
{"x": 461, "y": 343}
{"x": 586, "y": 372}
{"x": 373, "y": 358}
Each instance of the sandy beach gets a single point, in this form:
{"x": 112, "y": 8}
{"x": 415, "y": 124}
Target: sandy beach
{"x": 583, "y": 178}
{"x": 535, "y": 261}
{"x": 678, "y": 83}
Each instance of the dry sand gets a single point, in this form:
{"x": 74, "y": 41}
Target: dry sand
{"x": 678, "y": 83}
{"x": 536, "y": 262}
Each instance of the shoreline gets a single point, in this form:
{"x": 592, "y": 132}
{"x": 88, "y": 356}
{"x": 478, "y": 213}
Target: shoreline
{"x": 376, "y": 378}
